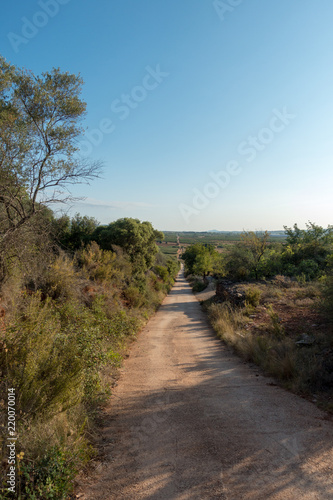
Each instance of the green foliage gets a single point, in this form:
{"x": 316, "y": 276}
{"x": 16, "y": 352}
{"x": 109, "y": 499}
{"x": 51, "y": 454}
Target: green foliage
{"x": 327, "y": 296}
{"x": 162, "y": 272}
{"x": 313, "y": 235}
{"x": 271, "y": 262}
{"x": 307, "y": 252}
{"x": 276, "y": 327}
{"x": 74, "y": 233}
{"x": 256, "y": 245}
{"x": 309, "y": 269}
{"x": 27, "y": 251}
{"x": 55, "y": 349}
{"x": 136, "y": 238}
{"x": 200, "y": 259}
{"x": 40, "y": 361}
{"x": 49, "y": 478}
{"x": 60, "y": 279}
{"x": 253, "y": 296}
{"x": 198, "y": 286}
{"x": 203, "y": 264}
{"x": 238, "y": 262}
{"x": 103, "y": 265}
{"x": 253, "y": 258}
{"x": 134, "y": 297}
{"x": 167, "y": 273}
{"x": 39, "y": 128}
{"x": 173, "y": 267}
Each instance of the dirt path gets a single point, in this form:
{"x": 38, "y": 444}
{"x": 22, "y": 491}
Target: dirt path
{"x": 189, "y": 420}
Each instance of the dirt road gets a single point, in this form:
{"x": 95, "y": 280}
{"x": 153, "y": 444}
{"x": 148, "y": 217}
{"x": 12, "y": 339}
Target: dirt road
{"x": 189, "y": 420}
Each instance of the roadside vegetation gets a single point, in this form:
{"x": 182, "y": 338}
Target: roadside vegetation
{"x": 274, "y": 304}
{"x": 67, "y": 317}
{"x": 72, "y": 293}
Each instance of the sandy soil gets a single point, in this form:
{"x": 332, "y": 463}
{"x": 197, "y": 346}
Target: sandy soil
{"x": 189, "y": 420}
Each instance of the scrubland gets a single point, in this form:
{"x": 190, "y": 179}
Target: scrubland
{"x": 274, "y": 305}
{"x": 69, "y": 308}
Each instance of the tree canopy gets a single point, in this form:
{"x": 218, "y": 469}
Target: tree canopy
{"x": 74, "y": 233}
{"x": 308, "y": 251}
{"x": 39, "y": 127}
{"x": 200, "y": 259}
{"x": 135, "y": 237}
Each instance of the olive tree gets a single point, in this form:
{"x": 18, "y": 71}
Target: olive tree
{"x": 39, "y": 129}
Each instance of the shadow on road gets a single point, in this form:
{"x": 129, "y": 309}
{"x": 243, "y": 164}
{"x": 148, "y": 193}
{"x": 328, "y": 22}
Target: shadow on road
{"x": 220, "y": 432}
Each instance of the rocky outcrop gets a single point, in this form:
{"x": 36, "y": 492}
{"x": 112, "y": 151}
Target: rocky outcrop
{"x": 226, "y": 291}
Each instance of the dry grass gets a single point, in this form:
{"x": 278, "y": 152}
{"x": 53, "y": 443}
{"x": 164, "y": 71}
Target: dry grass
{"x": 62, "y": 339}
{"x": 275, "y": 356}
{"x": 266, "y": 334}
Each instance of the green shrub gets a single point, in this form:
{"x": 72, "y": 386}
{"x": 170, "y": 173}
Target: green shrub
{"x": 327, "y": 295}
{"x": 252, "y": 296}
{"x": 309, "y": 269}
{"x": 97, "y": 264}
{"x": 134, "y": 296}
{"x": 162, "y": 272}
{"x": 173, "y": 267}
{"x": 199, "y": 286}
{"x": 156, "y": 283}
{"x": 61, "y": 280}
{"x": 40, "y": 360}
{"x": 61, "y": 338}
{"x": 276, "y": 327}
{"x": 49, "y": 478}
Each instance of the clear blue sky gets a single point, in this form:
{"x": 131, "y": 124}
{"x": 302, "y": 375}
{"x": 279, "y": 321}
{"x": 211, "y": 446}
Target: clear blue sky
{"x": 194, "y": 87}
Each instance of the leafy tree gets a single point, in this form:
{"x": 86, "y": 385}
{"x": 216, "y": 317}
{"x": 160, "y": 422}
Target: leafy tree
{"x": 136, "y": 238}
{"x": 313, "y": 242}
{"x": 246, "y": 259}
{"x": 307, "y": 250}
{"x": 256, "y": 244}
{"x": 312, "y": 233}
{"x": 39, "y": 128}
{"x": 192, "y": 252}
{"x": 238, "y": 262}
{"x": 76, "y": 232}
{"x": 203, "y": 264}
{"x": 271, "y": 263}
{"x": 200, "y": 259}
{"x": 218, "y": 265}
